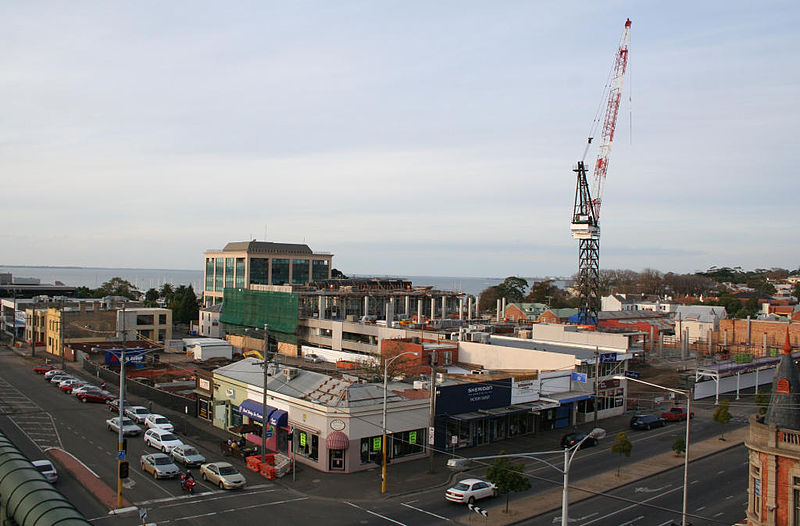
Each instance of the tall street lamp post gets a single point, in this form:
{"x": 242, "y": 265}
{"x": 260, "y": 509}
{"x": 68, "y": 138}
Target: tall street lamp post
{"x": 120, "y": 437}
{"x": 688, "y": 394}
{"x": 385, "y": 391}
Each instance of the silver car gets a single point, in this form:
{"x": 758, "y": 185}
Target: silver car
{"x": 137, "y": 413}
{"x": 47, "y": 469}
{"x": 187, "y": 455}
{"x": 160, "y": 466}
{"x": 128, "y": 427}
{"x": 223, "y": 475}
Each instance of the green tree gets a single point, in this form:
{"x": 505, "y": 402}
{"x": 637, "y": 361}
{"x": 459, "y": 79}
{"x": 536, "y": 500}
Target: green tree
{"x": 679, "y": 446}
{"x": 622, "y": 446}
{"x": 119, "y": 287}
{"x": 166, "y": 293}
{"x": 151, "y": 295}
{"x": 184, "y": 305}
{"x": 337, "y": 274}
{"x": 488, "y": 299}
{"x": 762, "y": 401}
{"x": 722, "y": 416}
{"x": 796, "y": 291}
{"x": 513, "y": 289}
{"x": 508, "y": 477}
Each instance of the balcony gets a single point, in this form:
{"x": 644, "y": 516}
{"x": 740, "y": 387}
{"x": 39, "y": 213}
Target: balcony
{"x": 771, "y": 439}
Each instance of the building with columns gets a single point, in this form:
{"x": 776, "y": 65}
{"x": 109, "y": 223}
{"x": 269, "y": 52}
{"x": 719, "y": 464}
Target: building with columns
{"x": 774, "y": 450}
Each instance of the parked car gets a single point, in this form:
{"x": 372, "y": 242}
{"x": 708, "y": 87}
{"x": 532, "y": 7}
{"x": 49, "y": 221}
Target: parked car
{"x": 161, "y": 439}
{"x": 137, "y": 412}
{"x": 113, "y": 405}
{"x": 223, "y": 475}
{"x": 84, "y": 388}
{"x": 470, "y": 490}
{"x": 71, "y": 385}
{"x": 187, "y": 455}
{"x": 129, "y": 428}
{"x": 158, "y": 421}
{"x": 98, "y": 397}
{"x": 313, "y": 358}
{"x": 43, "y": 368}
{"x": 52, "y": 372}
{"x": 676, "y": 414}
{"x": 159, "y": 465}
{"x": 647, "y": 422}
{"x": 47, "y": 469}
{"x": 56, "y": 379}
{"x": 571, "y": 439}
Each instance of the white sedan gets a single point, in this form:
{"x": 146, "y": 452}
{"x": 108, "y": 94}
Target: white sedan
{"x": 161, "y": 439}
{"x": 158, "y": 421}
{"x": 470, "y": 490}
{"x": 128, "y": 427}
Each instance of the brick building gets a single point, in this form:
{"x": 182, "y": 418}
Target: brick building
{"x": 759, "y": 337}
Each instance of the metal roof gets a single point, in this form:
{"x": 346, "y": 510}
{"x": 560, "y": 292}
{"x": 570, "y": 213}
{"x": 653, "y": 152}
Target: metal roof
{"x": 267, "y": 247}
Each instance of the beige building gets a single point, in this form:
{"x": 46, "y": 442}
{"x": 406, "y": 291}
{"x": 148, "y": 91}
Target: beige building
{"x": 242, "y": 264}
{"x": 153, "y": 324}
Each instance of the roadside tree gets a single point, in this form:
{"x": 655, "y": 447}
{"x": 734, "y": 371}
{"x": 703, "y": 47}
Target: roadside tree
{"x": 679, "y": 446}
{"x": 622, "y": 446}
{"x": 722, "y": 416}
{"x": 508, "y": 477}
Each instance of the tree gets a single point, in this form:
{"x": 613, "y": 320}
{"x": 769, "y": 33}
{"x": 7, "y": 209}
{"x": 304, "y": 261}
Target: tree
{"x": 679, "y": 446}
{"x": 762, "y": 401}
{"x": 151, "y": 295}
{"x": 119, "y": 287}
{"x": 184, "y": 305}
{"x": 622, "y": 446}
{"x": 796, "y": 291}
{"x": 507, "y": 477}
{"x": 167, "y": 293}
{"x": 722, "y": 416}
{"x": 512, "y": 288}
{"x": 337, "y": 274}
{"x": 488, "y": 299}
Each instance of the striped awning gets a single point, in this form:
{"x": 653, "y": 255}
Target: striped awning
{"x": 337, "y": 440}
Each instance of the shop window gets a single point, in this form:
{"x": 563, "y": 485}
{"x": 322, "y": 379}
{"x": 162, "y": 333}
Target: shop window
{"x": 407, "y": 443}
{"x": 370, "y": 449}
{"x": 307, "y": 445}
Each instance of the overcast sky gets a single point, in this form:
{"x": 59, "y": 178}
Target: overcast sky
{"x": 413, "y": 138}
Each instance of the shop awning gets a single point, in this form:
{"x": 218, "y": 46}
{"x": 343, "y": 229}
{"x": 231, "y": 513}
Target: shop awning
{"x": 541, "y": 405}
{"x": 253, "y": 409}
{"x": 337, "y": 440}
{"x": 571, "y": 396}
{"x": 502, "y": 411}
{"x": 466, "y": 417}
{"x": 278, "y": 418}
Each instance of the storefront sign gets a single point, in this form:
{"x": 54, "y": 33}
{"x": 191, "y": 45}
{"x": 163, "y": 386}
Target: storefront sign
{"x": 608, "y": 357}
{"x": 462, "y": 398}
{"x": 202, "y": 383}
{"x": 230, "y": 392}
{"x": 609, "y": 384}
{"x": 376, "y": 444}
{"x": 302, "y": 439}
{"x": 337, "y": 425}
{"x": 412, "y": 437}
{"x": 579, "y": 377}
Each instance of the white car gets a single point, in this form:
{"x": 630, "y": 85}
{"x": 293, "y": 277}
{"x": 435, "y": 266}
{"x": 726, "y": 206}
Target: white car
{"x": 128, "y": 427}
{"x": 58, "y": 378}
{"x": 470, "y": 490}
{"x": 161, "y": 439}
{"x": 47, "y": 469}
{"x": 153, "y": 421}
{"x": 137, "y": 413}
{"x": 69, "y": 381}
{"x": 85, "y": 388}
{"x": 223, "y": 475}
{"x": 53, "y": 372}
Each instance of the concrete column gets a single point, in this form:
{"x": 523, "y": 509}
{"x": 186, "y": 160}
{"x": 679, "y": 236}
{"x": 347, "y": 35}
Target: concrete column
{"x": 725, "y": 338}
{"x": 661, "y": 344}
{"x": 366, "y": 305}
{"x": 764, "y": 345}
{"x": 498, "y": 310}
{"x": 710, "y": 347}
{"x": 748, "y": 330}
{"x": 444, "y": 307}
{"x": 321, "y": 306}
{"x": 652, "y": 338}
{"x": 504, "y": 308}
{"x": 419, "y": 310}
{"x": 461, "y": 308}
{"x": 433, "y": 308}
{"x": 389, "y": 314}
{"x": 469, "y": 308}
{"x": 407, "y": 310}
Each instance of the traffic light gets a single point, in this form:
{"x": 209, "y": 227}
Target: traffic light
{"x": 123, "y": 469}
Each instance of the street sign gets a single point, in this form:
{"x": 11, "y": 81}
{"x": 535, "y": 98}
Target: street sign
{"x": 431, "y": 435}
{"x": 579, "y": 377}
{"x": 479, "y": 511}
{"x": 633, "y": 374}
{"x": 121, "y": 455}
{"x": 608, "y": 357}
{"x": 143, "y": 514}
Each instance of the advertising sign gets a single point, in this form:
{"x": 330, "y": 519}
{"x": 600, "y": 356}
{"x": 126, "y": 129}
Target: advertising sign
{"x": 137, "y": 355}
{"x": 608, "y": 357}
{"x": 579, "y": 377}
{"x": 462, "y": 398}
{"x": 633, "y": 374}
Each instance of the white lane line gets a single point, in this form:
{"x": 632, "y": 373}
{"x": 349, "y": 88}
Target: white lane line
{"x": 701, "y": 508}
{"x": 424, "y": 511}
{"x": 640, "y": 517}
{"x": 194, "y": 516}
{"x": 668, "y": 523}
{"x": 718, "y": 514}
{"x": 720, "y": 472}
{"x": 679, "y": 488}
{"x": 222, "y": 495}
{"x": 170, "y": 499}
{"x": 376, "y": 514}
{"x": 76, "y": 458}
{"x": 261, "y": 505}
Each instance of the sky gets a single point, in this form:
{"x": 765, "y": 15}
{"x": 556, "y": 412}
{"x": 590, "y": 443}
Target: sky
{"x": 405, "y": 137}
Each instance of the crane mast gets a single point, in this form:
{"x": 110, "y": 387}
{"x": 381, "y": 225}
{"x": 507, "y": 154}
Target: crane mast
{"x": 585, "y": 226}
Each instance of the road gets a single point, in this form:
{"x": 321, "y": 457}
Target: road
{"x": 52, "y": 419}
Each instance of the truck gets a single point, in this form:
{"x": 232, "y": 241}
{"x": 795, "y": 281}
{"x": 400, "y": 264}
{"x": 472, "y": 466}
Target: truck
{"x": 676, "y": 414}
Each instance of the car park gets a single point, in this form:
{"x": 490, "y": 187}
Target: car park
{"x": 470, "y": 490}
{"x": 129, "y": 428}
{"x": 647, "y": 422}
{"x": 158, "y": 421}
{"x": 43, "y": 368}
{"x": 223, "y": 475}
{"x": 47, "y": 469}
{"x": 159, "y": 465}
{"x": 52, "y": 372}
{"x": 98, "y": 397}
{"x": 571, "y": 439}
{"x": 161, "y": 439}
{"x": 187, "y": 456}
{"x": 137, "y": 413}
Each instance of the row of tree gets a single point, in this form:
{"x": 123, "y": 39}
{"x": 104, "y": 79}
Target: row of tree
{"x": 182, "y": 300}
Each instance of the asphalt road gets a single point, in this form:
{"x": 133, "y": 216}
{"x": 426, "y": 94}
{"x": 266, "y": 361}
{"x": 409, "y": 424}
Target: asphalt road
{"x": 81, "y": 430}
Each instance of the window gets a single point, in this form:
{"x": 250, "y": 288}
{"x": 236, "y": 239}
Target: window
{"x": 162, "y": 319}
{"x": 258, "y": 271}
{"x": 371, "y": 449}
{"x": 407, "y": 443}
{"x": 162, "y": 335}
{"x": 240, "y": 273}
{"x": 209, "y": 274}
{"x": 299, "y": 271}
{"x": 144, "y": 319}
{"x": 319, "y": 270}
{"x": 280, "y": 271}
{"x": 219, "y": 267}
{"x": 755, "y": 473}
{"x": 229, "y": 272}
{"x": 307, "y": 445}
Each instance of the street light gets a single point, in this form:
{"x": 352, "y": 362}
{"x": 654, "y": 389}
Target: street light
{"x": 385, "y": 391}
{"x": 569, "y": 455}
{"x": 688, "y": 394}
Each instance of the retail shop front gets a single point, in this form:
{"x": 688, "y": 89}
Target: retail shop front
{"x": 277, "y": 425}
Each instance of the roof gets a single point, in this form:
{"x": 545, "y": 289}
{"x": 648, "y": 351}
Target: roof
{"x": 785, "y": 399}
{"x": 267, "y": 247}
{"x": 217, "y": 307}
{"x": 701, "y": 313}
{"x": 563, "y": 313}
{"x": 585, "y": 354}
{"x": 629, "y": 315}
{"x": 530, "y": 309}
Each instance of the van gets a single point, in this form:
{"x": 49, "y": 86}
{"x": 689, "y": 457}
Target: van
{"x": 647, "y": 422}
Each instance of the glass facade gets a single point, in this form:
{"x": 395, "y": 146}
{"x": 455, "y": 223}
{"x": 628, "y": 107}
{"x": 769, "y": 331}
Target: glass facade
{"x": 229, "y": 272}
{"x": 300, "y": 271}
{"x": 308, "y": 445}
{"x": 258, "y": 271}
{"x": 219, "y": 266}
{"x": 239, "y": 273}
{"x": 319, "y": 270}
{"x": 280, "y": 271}
{"x": 209, "y": 274}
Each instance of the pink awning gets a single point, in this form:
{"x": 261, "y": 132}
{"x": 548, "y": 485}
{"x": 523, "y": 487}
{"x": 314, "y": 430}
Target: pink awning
{"x": 337, "y": 440}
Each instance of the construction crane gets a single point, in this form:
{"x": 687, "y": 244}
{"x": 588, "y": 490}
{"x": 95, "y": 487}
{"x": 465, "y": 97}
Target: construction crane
{"x": 585, "y": 225}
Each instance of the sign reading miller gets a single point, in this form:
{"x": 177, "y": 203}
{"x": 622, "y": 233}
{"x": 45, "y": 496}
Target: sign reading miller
{"x": 462, "y": 398}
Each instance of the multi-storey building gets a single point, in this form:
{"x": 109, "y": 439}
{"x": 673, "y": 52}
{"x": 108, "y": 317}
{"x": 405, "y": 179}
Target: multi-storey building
{"x": 242, "y": 264}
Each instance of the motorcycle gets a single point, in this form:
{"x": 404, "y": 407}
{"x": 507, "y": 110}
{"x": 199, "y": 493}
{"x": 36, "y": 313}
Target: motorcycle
{"x": 188, "y": 484}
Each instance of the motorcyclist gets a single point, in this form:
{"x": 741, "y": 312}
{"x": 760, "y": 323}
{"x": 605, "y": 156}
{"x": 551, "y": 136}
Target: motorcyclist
{"x": 185, "y": 478}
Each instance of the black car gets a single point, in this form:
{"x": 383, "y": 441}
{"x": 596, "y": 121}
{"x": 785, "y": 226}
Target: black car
{"x": 647, "y": 422}
{"x": 571, "y": 439}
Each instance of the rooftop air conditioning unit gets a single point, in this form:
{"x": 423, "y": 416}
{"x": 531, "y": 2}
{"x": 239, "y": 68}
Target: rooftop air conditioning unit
{"x": 289, "y": 374}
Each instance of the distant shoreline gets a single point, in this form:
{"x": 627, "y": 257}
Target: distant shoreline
{"x": 64, "y": 267}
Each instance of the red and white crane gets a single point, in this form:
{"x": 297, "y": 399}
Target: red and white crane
{"x": 585, "y": 225}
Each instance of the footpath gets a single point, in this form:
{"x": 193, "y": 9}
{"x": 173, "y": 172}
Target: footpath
{"x": 414, "y": 477}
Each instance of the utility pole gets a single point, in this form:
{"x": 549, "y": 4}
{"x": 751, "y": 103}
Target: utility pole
{"x": 596, "y": 382}
{"x": 120, "y": 437}
{"x": 61, "y": 336}
{"x": 14, "y": 320}
{"x": 434, "y": 357}
{"x": 264, "y": 397}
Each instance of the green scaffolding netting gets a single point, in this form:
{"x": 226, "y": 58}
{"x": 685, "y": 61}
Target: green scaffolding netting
{"x": 255, "y": 308}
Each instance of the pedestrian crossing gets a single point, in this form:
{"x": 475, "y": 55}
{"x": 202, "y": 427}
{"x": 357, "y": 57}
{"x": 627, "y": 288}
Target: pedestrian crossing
{"x": 32, "y": 420}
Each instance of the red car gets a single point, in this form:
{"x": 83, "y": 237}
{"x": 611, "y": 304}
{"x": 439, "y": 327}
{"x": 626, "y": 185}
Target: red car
{"x": 95, "y": 396}
{"x": 68, "y": 388}
{"x": 43, "y": 368}
{"x": 676, "y": 414}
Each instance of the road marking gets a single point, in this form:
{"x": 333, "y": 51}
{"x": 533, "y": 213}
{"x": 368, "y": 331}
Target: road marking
{"x": 701, "y": 508}
{"x": 234, "y": 509}
{"x": 222, "y": 495}
{"x": 729, "y": 497}
{"x": 376, "y": 514}
{"x": 634, "y": 505}
{"x": 718, "y": 514}
{"x": 648, "y": 490}
{"x": 640, "y": 517}
{"x": 424, "y": 511}
{"x": 194, "y": 516}
{"x": 118, "y": 511}
{"x": 720, "y": 472}
{"x": 694, "y": 482}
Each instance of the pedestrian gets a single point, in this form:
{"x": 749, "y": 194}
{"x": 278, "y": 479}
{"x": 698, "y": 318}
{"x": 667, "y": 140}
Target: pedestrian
{"x": 103, "y": 385}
